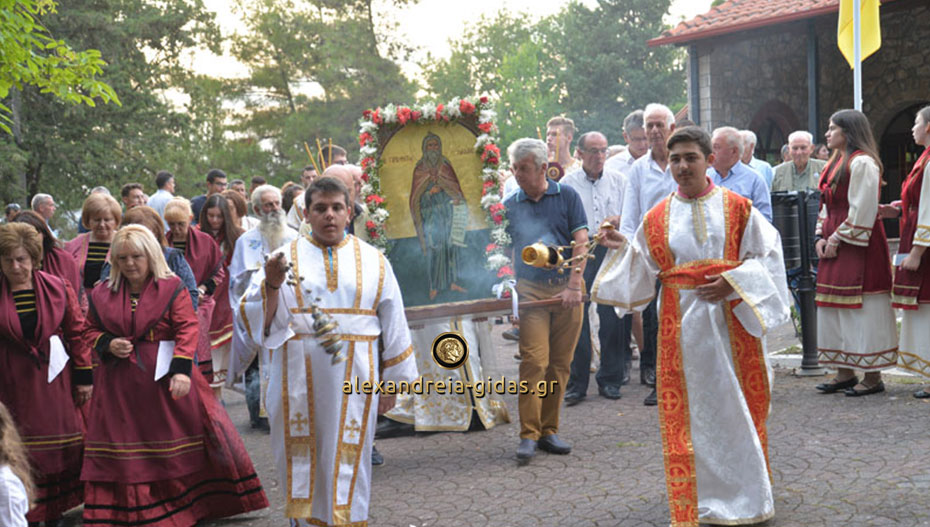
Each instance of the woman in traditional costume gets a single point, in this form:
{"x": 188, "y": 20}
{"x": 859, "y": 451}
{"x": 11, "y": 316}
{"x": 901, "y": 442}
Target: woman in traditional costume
{"x": 40, "y": 332}
{"x": 217, "y": 221}
{"x": 911, "y": 291}
{"x": 101, "y": 214}
{"x": 856, "y": 326}
{"x": 148, "y": 218}
{"x": 160, "y": 449}
{"x": 55, "y": 259}
{"x": 205, "y": 259}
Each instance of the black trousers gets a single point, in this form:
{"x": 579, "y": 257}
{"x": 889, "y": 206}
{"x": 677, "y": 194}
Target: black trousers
{"x": 613, "y": 335}
{"x": 647, "y": 356}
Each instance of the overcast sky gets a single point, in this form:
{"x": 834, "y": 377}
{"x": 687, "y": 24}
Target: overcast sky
{"x": 427, "y": 26}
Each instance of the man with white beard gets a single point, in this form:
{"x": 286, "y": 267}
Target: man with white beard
{"x": 249, "y": 256}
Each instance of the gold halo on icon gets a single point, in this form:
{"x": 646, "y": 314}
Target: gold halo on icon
{"x": 450, "y": 350}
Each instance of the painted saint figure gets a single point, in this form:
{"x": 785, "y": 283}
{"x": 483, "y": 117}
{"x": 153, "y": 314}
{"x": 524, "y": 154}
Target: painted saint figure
{"x": 434, "y": 193}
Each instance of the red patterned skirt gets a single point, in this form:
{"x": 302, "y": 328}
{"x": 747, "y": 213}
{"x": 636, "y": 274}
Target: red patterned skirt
{"x": 226, "y": 486}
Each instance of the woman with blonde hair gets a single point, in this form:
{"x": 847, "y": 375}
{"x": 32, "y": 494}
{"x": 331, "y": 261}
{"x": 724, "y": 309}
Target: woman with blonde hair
{"x": 16, "y": 488}
{"x": 855, "y": 323}
{"x": 167, "y": 455}
{"x": 45, "y": 369}
{"x": 101, "y": 215}
{"x": 148, "y": 218}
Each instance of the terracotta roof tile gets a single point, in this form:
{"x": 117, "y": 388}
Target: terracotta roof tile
{"x": 739, "y": 15}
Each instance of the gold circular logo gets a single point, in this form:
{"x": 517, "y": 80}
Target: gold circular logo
{"x": 450, "y": 350}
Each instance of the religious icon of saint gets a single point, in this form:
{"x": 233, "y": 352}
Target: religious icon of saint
{"x": 435, "y": 198}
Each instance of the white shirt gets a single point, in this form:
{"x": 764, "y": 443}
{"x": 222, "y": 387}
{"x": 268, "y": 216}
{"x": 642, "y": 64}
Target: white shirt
{"x": 602, "y": 197}
{"x": 13, "y": 501}
{"x": 621, "y": 162}
{"x": 647, "y": 184}
{"x": 158, "y": 202}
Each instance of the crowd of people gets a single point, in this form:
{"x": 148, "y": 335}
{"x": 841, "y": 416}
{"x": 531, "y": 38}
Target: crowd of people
{"x": 686, "y": 216}
{"x": 119, "y": 342}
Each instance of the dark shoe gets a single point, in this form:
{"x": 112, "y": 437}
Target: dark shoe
{"x": 552, "y": 444}
{"x": 261, "y": 424}
{"x": 573, "y": 398}
{"x": 512, "y": 334}
{"x": 922, "y": 394}
{"x": 651, "y": 399}
{"x": 526, "y": 451}
{"x": 376, "y": 457}
{"x": 833, "y": 387}
{"x": 853, "y": 392}
{"x": 647, "y": 376}
{"x": 387, "y": 428}
{"x": 610, "y": 392}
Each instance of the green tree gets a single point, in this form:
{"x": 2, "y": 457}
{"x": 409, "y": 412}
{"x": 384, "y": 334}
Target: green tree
{"x": 314, "y": 67}
{"x": 65, "y": 149}
{"x": 30, "y": 56}
{"x": 607, "y": 68}
{"x": 591, "y": 64}
{"x": 474, "y": 67}
{"x": 529, "y": 98}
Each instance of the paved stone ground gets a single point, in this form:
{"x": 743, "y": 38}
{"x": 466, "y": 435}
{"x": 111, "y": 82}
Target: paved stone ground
{"x": 837, "y": 461}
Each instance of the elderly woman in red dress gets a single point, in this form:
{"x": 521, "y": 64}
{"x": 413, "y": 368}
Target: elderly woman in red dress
{"x": 55, "y": 259}
{"x": 100, "y": 214}
{"x": 217, "y": 221}
{"x": 206, "y": 262}
{"x": 160, "y": 450}
{"x": 41, "y": 326}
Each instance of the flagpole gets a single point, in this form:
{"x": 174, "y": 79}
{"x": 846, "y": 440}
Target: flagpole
{"x": 857, "y": 55}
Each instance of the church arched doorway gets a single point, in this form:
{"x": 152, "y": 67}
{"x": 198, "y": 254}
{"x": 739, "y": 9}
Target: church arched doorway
{"x": 898, "y": 153}
{"x": 772, "y": 124}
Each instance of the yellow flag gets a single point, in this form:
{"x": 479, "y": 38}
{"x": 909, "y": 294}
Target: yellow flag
{"x": 871, "y": 30}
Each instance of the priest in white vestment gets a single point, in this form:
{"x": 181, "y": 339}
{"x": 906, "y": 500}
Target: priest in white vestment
{"x": 248, "y": 257}
{"x": 321, "y": 428}
{"x": 723, "y": 288}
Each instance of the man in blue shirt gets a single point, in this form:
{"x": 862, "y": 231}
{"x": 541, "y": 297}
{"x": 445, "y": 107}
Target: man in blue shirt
{"x": 544, "y": 211}
{"x": 762, "y": 167}
{"x": 728, "y": 171}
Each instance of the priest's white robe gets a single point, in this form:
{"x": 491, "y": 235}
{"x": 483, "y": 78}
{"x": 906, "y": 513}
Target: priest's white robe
{"x": 322, "y": 435}
{"x": 248, "y": 257}
{"x": 434, "y": 412}
{"x": 713, "y": 378}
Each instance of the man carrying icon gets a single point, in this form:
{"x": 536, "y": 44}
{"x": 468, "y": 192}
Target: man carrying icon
{"x": 321, "y": 435}
{"x": 723, "y": 287}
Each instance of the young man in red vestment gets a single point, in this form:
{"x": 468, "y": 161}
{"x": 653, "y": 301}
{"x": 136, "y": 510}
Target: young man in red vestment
{"x": 723, "y": 287}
